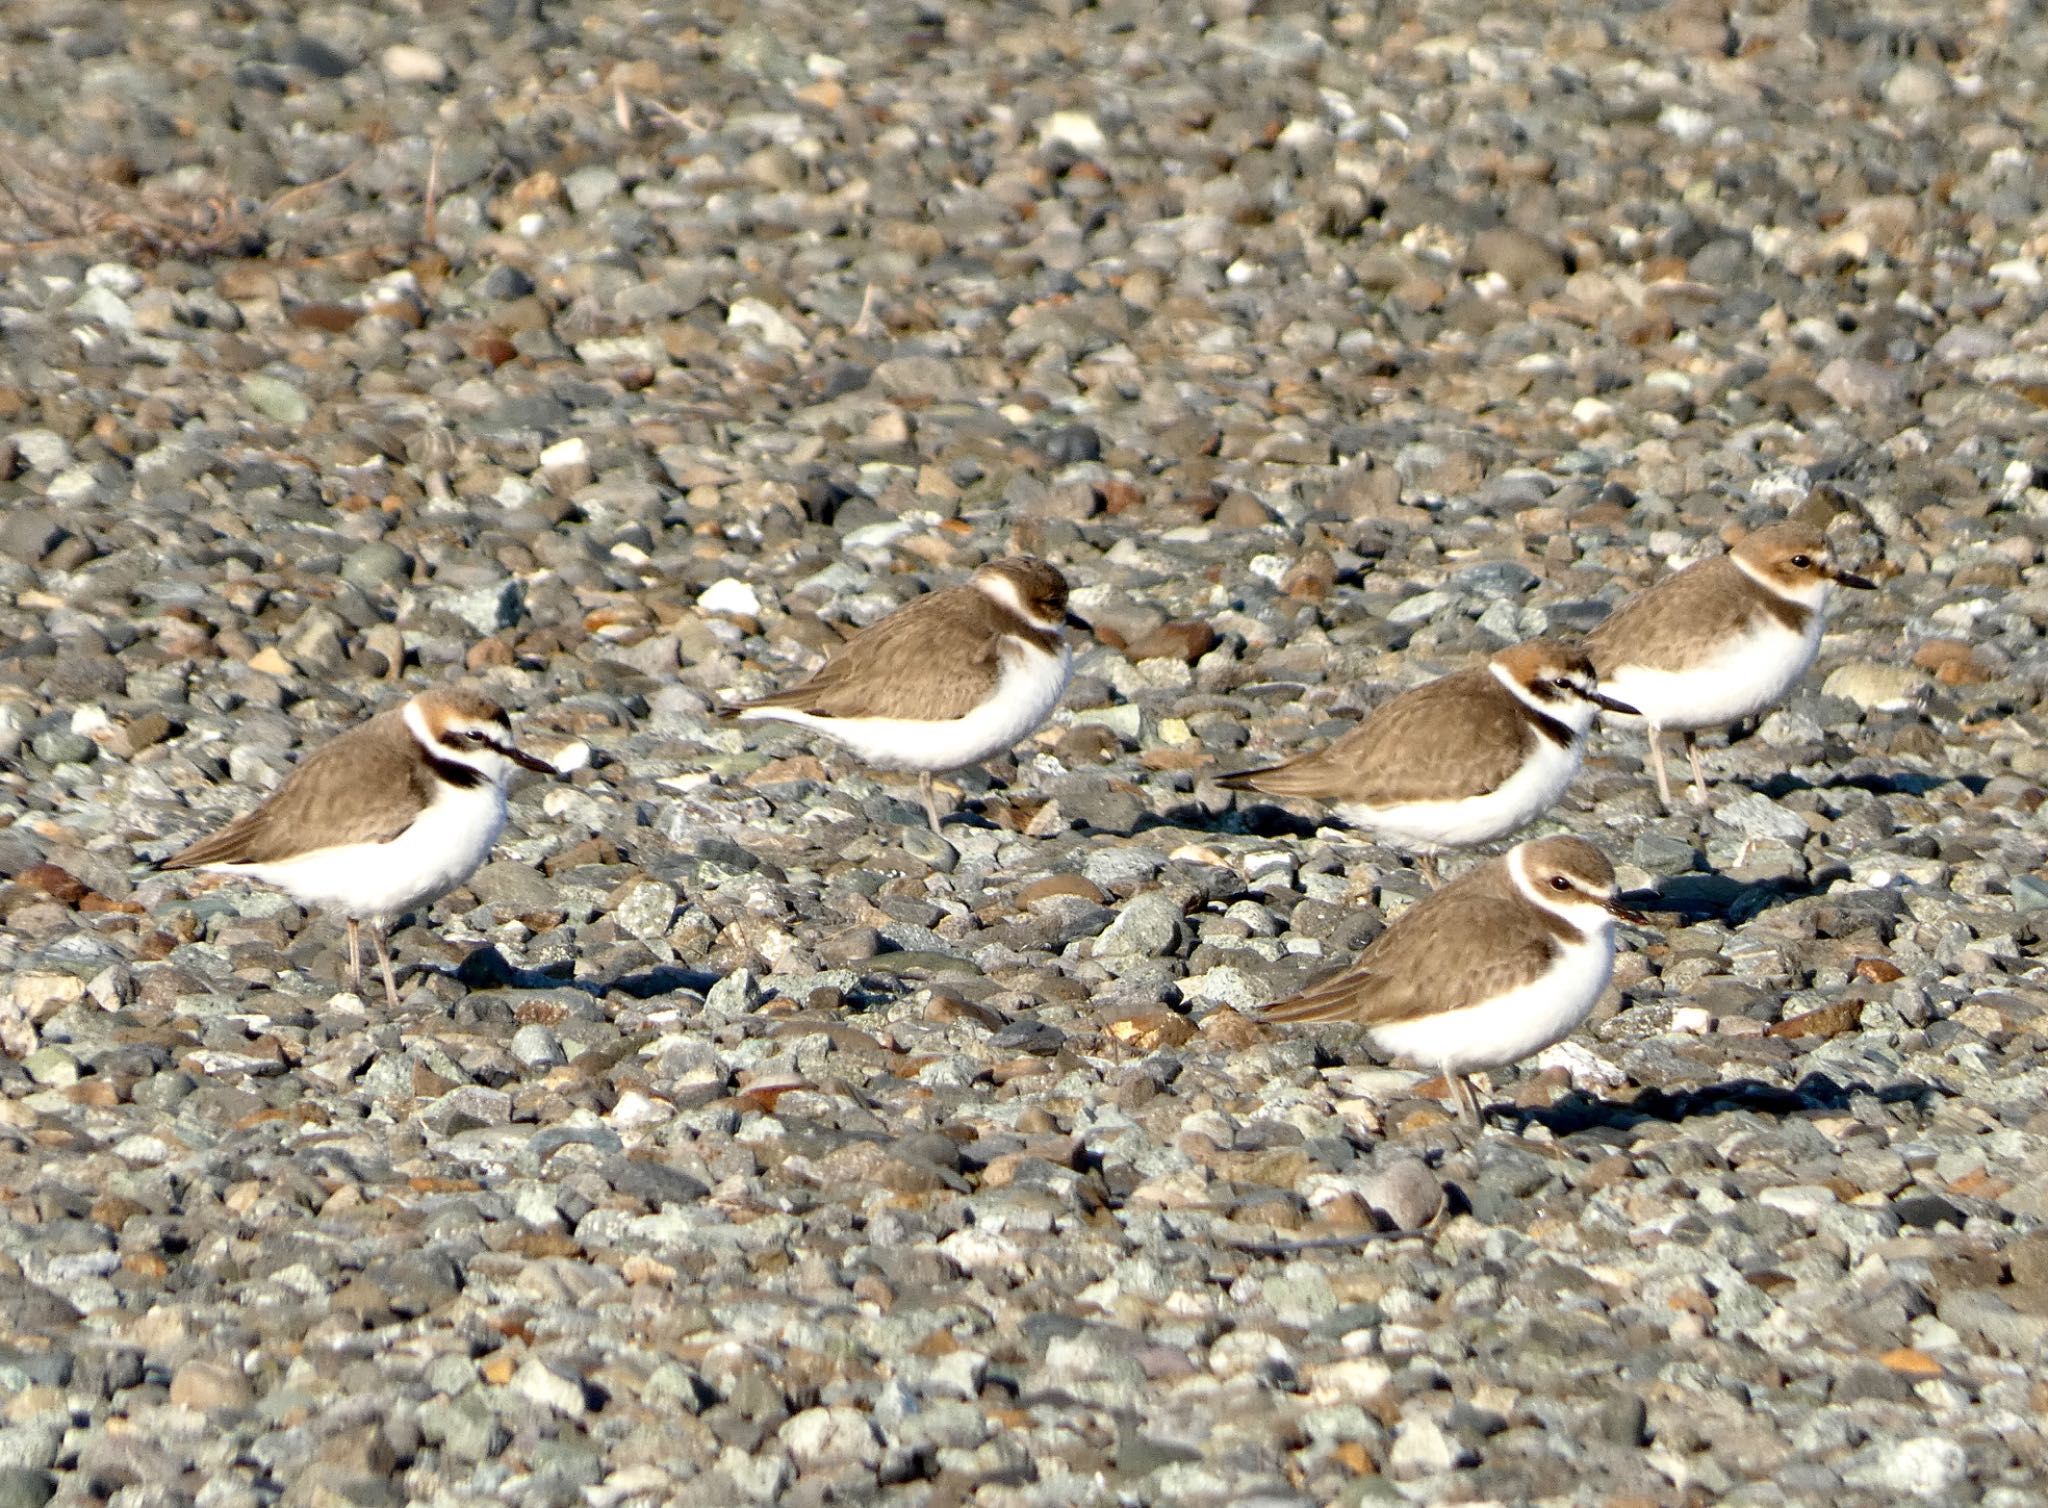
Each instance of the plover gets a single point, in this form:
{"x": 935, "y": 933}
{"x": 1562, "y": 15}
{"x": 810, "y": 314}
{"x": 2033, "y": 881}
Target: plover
{"x": 1459, "y": 761}
{"x": 947, "y": 680}
{"x": 388, "y": 816}
{"x": 1720, "y": 640}
{"x": 1503, "y": 961}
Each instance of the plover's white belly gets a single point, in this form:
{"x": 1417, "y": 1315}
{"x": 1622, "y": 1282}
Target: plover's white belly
{"x": 1511, "y": 1026}
{"x": 1748, "y": 675}
{"x": 1024, "y": 696}
{"x": 376, "y": 882}
{"x": 1522, "y": 797}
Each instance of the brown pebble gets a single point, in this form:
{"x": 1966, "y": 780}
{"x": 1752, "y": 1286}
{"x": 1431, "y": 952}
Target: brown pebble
{"x": 1186, "y": 640}
{"x": 58, "y": 884}
{"x": 1828, "y": 1021}
{"x": 1060, "y": 884}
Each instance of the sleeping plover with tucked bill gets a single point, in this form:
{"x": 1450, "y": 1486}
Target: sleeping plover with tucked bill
{"x": 947, "y": 680}
{"x": 1458, "y": 761}
{"x": 390, "y": 815}
{"x": 1503, "y": 961}
{"x": 1720, "y": 640}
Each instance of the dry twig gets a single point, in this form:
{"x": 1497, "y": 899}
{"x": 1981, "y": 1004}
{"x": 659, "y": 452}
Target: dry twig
{"x": 56, "y": 213}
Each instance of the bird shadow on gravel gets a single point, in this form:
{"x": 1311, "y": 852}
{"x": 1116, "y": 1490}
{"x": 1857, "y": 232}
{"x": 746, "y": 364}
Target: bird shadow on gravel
{"x": 488, "y": 969}
{"x": 1578, "y": 1111}
{"x": 1720, "y": 897}
{"x": 1262, "y": 820}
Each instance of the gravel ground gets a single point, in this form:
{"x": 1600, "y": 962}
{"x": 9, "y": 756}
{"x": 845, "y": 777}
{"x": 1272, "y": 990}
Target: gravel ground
{"x": 738, "y": 1142}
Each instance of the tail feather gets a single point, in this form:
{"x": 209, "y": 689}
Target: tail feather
{"x": 1244, "y": 780}
{"x": 1292, "y": 777}
{"x": 1334, "y": 999}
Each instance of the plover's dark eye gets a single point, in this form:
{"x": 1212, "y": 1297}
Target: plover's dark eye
{"x": 1559, "y": 882}
{"x": 1563, "y": 683}
{"x": 1802, "y": 562}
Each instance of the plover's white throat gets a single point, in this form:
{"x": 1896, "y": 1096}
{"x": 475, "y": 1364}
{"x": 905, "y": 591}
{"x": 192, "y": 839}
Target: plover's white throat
{"x": 947, "y": 680}
{"x": 1461, "y": 760}
{"x": 1500, "y": 963}
{"x": 1720, "y": 640}
{"x": 390, "y": 815}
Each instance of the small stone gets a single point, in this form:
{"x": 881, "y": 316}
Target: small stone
{"x": 1422, "y": 1449}
{"x": 1915, "y": 86}
{"x": 566, "y": 454}
{"x": 730, "y": 596}
{"x": 42, "y": 450}
{"x": 773, "y": 326}
{"x": 51, "y": 1066}
{"x": 537, "y": 1048}
{"x": 734, "y": 995}
{"x": 28, "y": 534}
{"x": 1927, "y": 1466}
{"x": 25, "y": 1487}
{"x": 1072, "y": 443}
{"x": 646, "y": 910}
{"x": 1755, "y": 815}
{"x": 410, "y": 64}
{"x": 1187, "y": 641}
{"x": 270, "y": 661}
{"x": 589, "y": 187}
{"x": 1500, "y": 580}
{"x": 540, "y": 1383}
{"x": 1876, "y": 686}
{"x": 146, "y": 731}
{"x": 1828, "y": 1021}
{"x": 274, "y": 398}
{"x": 487, "y": 608}
{"x": 1149, "y": 925}
{"x": 821, "y": 1437}
{"x": 376, "y": 566}
{"x": 205, "y": 1386}
{"x": 1403, "y": 1192}
{"x": 1623, "y": 1420}
{"x": 104, "y": 306}
{"x": 1073, "y": 129}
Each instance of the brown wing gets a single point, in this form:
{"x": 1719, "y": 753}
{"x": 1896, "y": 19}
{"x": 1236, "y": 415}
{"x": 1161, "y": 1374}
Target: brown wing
{"x": 1459, "y": 947}
{"x": 1466, "y": 726}
{"x": 936, "y": 657}
{"x": 363, "y": 787}
{"x": 1676, "y": 623}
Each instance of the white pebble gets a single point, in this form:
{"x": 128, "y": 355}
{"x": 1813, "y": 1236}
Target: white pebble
{"x": 732, "y": 597}
{"x": 409, "y": 64}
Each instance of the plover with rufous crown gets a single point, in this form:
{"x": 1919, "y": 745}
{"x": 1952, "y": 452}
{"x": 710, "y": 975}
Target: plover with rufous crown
{"x": 388, "y": 816}
{"x": 1720, "y": 640}
{"x": 947, "y": 680}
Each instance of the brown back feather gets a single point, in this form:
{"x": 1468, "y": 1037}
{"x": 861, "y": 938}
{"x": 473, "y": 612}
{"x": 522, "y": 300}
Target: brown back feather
{"x": 325, "y": 794}
{"x": 1469, "y": 725}
{"x": 936, "y": 657}
{"x": 1681, "y": 620}
{"x": 1461, "y": 946}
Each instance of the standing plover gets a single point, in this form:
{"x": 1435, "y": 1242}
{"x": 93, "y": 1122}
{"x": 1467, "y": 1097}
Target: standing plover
{"x": 1720, "y": 640}
{"x": 389, "y": 815}
{"x": 1461, "y": 760}
{"x": 1503, "y": 961}
{"x": 946, "y": 680}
